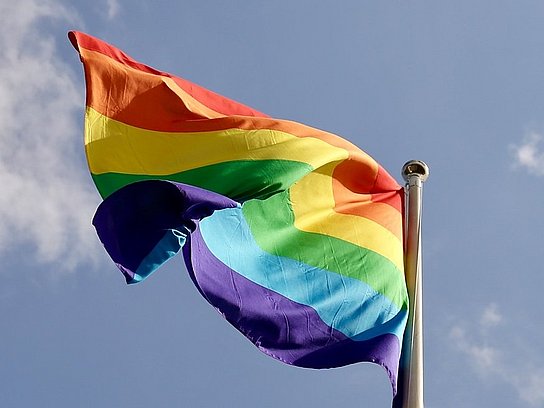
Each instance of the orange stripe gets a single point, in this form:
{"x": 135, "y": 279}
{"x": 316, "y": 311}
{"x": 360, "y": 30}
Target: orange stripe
{"x": 353, "y": 193}
{"x": 116, "y": 90}
{"x": 147, "y": 102}
{"x": 213, "y": 101}
{"x": 375, "y": 207}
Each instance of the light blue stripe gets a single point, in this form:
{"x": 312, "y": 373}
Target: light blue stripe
{"x": 166, "y": 248}
{"x": 346, "y": 304}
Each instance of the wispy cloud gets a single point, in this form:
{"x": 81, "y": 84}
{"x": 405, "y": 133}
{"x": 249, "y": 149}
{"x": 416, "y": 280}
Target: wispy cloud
{"x": 46, "y": 200}
{"x": 491, "y": 316}
{"x": 493, "y": 362}
{"x": 113, "y": 8}
{"x": 530, "y": 154}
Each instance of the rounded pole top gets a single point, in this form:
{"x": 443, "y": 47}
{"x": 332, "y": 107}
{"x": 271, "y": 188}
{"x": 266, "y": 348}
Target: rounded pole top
{"x": 415, "y": 168}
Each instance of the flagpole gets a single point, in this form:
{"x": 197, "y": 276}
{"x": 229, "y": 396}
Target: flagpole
{"x": 410, "y": 394}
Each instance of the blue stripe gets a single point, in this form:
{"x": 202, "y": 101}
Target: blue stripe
{"x": 165, "y": 249}
{"x": 345, "y": 304}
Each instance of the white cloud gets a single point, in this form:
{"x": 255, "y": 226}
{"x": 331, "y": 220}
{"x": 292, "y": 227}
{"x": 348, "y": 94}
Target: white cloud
{"x": 531, "y": 387}
{"x": 483, "y": 357}
{"x": 530, "y": 154}
{"x": 46, "y": 200}
{"x": 491, "y": 316}
{"x": 113, "y": 8}
{"x": 495, "y": 363}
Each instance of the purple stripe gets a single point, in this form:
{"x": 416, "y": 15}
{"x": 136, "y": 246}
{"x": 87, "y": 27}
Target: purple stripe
{"x": 134, "y": 223}
{"x": 286, "y": 330}
{"x": 133, "y": 220}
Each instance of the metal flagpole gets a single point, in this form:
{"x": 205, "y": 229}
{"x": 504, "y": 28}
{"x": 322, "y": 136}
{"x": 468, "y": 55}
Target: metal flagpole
{"x": 410, "y": 394}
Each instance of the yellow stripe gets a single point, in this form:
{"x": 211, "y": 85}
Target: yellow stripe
{"x": 313, "y": 205}
{"x": 113, "y": 146}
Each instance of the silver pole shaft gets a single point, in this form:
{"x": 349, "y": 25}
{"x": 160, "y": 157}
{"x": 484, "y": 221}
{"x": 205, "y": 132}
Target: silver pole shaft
{"x": 415, "y": 172}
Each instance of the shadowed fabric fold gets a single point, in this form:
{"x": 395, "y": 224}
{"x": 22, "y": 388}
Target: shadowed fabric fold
{"x": 146, "y": 223}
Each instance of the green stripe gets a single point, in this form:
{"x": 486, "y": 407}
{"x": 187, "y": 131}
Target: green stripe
{"x": 274, "y": 217}
{"x": 240, "y": 180}
{"x": 243, "y": 180}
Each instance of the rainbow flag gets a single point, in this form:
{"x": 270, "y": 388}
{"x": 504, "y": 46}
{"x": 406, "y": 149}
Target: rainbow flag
{"x": 293, "y": 234}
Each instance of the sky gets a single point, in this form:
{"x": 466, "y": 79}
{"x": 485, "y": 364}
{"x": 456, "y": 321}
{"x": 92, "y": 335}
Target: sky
{"x": 459, "y": 85}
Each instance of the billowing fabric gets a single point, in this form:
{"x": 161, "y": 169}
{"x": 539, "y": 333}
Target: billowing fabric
{"x": 292, "y": 233}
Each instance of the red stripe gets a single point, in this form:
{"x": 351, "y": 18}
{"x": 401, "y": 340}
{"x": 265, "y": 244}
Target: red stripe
{"x": 212, "y": 100}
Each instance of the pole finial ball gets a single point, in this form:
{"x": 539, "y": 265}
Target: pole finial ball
{"x": 415, "y": 168}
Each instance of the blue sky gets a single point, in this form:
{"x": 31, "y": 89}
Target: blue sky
{"x": 459, "y": 85}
